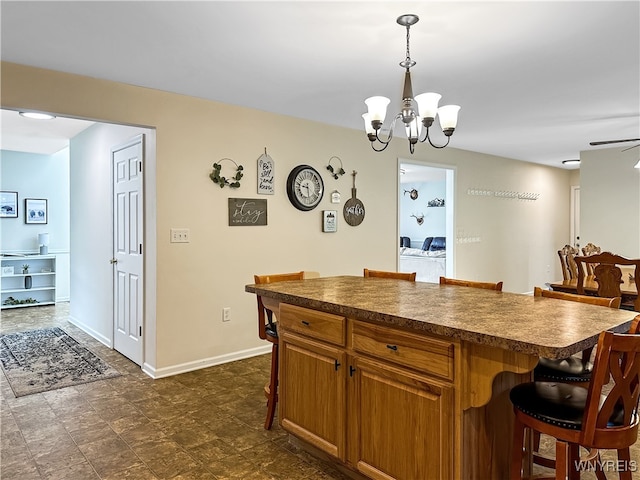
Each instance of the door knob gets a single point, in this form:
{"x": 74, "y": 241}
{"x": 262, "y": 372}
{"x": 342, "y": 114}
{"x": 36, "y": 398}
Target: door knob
{"x": 112, "y": 261}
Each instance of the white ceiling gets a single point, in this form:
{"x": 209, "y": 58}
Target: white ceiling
{"x": 537, "y": 81}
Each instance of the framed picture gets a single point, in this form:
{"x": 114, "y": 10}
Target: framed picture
{"x": 8, "y": 204}
{"x": 329, "y": 221}
{"x": 35, "y": 210}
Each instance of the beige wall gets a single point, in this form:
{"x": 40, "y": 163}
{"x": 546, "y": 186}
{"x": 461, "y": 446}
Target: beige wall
{"x": 610, "y": 199}
{"x": 519, "y": 238}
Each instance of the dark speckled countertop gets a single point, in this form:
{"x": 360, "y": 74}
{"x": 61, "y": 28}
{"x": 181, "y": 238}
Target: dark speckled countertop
{"x": 542, "y": 326}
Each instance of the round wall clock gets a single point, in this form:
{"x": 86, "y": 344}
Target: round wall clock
{"x": 305, "y": 187}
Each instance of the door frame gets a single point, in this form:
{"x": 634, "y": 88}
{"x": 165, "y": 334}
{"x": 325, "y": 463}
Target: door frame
{"x": 450, "y": 222}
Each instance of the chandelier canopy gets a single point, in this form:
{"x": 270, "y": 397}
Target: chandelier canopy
{"x": 417, "y": 113}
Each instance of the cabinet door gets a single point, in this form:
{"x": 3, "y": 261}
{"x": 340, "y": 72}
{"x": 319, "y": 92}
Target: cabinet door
{"x": 402, "y": 423}
{"x": 312, "y": 397}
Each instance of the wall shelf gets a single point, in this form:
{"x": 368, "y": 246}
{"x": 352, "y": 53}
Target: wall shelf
{"x": 42, "y": 270}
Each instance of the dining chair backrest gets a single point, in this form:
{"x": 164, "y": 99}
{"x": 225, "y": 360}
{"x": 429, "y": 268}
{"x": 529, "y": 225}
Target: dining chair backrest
{"x": 471, "y": 283}
{"x": 617, "y": 365}
{"x": 384, "y": 274}
{"x": 567, "y": 263}
{"x": 607, "y": 274}
{"x": 265, "y": 316}
{"x": 590, "y": 249}
{"x": 572, "y": 297}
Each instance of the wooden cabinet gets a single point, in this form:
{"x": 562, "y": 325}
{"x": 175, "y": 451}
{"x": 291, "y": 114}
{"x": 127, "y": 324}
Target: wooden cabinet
{"x": 378, "y": 399}
{"x": 313, "y": 403}
{"x": 402, "y": 423}
{"x": 20, "y": 288}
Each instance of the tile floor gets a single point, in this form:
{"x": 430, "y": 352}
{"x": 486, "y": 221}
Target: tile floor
{"x": 206, "y": 424}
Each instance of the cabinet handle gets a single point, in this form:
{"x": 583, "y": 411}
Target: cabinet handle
{"x": 337, "y": 364}
{"x": 352, "y": 370}
{"x": 392, "y": 347}
{"x": 304, "y": 322}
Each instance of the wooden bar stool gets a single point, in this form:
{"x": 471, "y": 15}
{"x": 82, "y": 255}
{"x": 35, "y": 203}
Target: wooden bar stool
{"x": 268, "y": 330}
{"x": 383, "y": 274}
{"x": 576, "y": 416}
{"x": 470, "y": 283}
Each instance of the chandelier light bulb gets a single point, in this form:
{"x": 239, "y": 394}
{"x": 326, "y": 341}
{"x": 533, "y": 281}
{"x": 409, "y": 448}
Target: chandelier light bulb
{"x": 377, "y": 108}
{"x": 428, "y": 104}
{"x": 448, "y": 116}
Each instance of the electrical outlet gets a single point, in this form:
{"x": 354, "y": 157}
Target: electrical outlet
{"x": 180, "y": 235}
{"x": 226, "y": 314}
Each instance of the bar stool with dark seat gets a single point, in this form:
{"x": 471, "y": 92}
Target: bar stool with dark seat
{"x": 576, "y": 416}
{"x": 268, "y": 330}
{"x": 573, "y": 369}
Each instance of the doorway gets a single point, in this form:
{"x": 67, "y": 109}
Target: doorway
{"x": 87, "y": 220}
{"x": 426, "y": 220}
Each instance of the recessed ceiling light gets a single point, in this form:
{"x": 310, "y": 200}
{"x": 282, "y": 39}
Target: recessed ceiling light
{"x": 571, "y": 162}
{"x": 37, "y": 115}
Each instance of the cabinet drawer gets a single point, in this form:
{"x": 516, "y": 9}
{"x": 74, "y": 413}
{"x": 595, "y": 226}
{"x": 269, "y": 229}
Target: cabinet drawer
{"x": 419, "y": 352}
{"x": 312, "y": 323}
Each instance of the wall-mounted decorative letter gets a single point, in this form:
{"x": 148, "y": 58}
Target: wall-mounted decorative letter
{"x": 266, "y": 173}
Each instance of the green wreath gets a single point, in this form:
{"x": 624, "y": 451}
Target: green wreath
{"x": 234, "y": 182}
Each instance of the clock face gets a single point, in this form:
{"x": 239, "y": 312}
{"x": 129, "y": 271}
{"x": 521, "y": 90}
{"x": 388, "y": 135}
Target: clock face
{"x": 305, "y": 187}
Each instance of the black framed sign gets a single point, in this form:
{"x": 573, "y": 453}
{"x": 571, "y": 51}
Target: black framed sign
{"x": 35, "y": 210}
{"x": 8, "y": 204}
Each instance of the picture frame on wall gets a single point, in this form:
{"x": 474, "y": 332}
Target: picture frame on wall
{"x": 8, "y": 204}
{"x": 329, "y": 221}
{"x": 35, "y": 211}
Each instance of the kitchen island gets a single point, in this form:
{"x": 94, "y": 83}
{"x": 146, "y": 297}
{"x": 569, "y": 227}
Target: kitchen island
{"x": 410, "y": 380}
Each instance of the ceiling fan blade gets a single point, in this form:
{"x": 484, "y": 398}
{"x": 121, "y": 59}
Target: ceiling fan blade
{"x": 606, "y": 142}
{"x": 638, "y": 145}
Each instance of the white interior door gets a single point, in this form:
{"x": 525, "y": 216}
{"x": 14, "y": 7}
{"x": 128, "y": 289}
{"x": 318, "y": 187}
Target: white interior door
{"x": 127, "y": 163}
{"x": 575, "y": 217}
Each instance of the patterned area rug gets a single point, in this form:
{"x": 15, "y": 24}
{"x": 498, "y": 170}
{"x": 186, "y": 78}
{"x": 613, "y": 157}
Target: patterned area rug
{"x": 47, "y": 359}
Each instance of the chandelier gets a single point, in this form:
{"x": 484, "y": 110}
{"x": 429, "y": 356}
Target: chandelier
{"x": 415, "y": 119}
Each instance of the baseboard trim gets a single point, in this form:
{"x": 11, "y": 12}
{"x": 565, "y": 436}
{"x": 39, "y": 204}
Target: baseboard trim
{"x": 90, "y": 331}
{"x": 163, "y": 372}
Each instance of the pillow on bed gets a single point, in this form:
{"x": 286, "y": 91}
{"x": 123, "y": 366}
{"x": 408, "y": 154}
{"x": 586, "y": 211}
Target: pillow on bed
{"x": 427, "y": 243}
{"x": 437, "y": 243}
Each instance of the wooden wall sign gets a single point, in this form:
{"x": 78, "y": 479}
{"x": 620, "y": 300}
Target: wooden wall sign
{"x": 266, "y": 174}
{"x": 353, "y": 208}
{"x": 247, "y": 212}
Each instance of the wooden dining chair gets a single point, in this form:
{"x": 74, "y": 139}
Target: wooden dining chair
{"x": 608, "y": 275}
{"x": 567, "y": 263}
{"x": 595, "y": 417}
{"x": 470, "y": 283}
{"x": 268, "y": 330}
{"x": 384, "y": 274}
{"x": 590, "y": 249}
